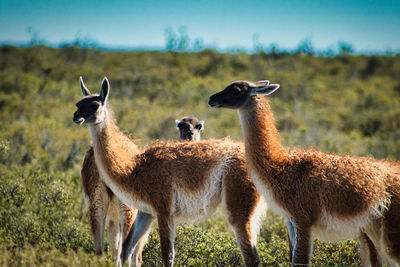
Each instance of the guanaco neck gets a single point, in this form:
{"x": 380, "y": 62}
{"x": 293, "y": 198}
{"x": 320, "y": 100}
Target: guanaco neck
{"x": 261, "y": 137}
{"x": 114, "y": 151}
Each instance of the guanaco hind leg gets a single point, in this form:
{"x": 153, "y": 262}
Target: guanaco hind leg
{"x": 98, "y": 209}
{"x": 369, "y": 254}
{"x": 245, "y": 207}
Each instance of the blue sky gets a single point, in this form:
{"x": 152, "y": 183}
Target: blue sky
{"x": 365, "y": 24}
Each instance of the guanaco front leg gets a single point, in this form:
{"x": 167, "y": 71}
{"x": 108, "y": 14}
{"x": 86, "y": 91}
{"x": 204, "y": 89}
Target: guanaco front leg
{"x": 302, "y": 246}
{"x": 249, "y": 251}
{"x": 166, "y": 228}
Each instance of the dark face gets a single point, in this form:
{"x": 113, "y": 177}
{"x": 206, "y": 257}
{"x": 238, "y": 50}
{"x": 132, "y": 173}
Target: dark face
{"x": 185, "y": 131}
{"x": 189, "y": 130}
{"x": 234, "y": 96}
{"x": 92, "y": 108}
{"x": 88, "y": 110}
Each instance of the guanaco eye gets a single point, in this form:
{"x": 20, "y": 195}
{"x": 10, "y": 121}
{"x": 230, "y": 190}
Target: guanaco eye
{"x": 235, "y": 91}
{"x": 94, "y": 106}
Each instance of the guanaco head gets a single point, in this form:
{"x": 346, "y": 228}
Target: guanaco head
{"x": 92, "y": 108}
{"x": 237, "y": 94}
{"x": 189, "y": 128}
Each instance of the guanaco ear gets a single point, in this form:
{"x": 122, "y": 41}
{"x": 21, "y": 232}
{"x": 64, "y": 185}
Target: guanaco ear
{"x": 265, "y": 90}
{"x": 177, "y": 123}
{"x": 262, "y": 83}
{"x": 85, "y": 90}
{"x": 200, "y": 126}
{"x": 105, "y": 89}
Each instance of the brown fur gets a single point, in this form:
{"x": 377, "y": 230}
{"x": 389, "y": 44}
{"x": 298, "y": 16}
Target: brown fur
{"x": 175, "y": 181}
{"x": 307, "y": 186}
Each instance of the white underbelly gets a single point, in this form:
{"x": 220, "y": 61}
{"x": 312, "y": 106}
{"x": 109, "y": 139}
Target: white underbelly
{"x": 333, "y": 229}
{"x": 193, "y": 206}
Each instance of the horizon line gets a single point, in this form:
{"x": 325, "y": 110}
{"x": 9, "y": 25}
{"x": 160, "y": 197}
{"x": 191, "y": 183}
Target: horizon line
{"x": 85, "y": 44}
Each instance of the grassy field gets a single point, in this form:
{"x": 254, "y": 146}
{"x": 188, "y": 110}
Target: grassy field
{"x": 345, "y": 104}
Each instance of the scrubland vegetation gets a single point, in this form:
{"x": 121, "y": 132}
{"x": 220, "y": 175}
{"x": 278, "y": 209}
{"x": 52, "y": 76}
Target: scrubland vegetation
{"x": 345, "y": 104}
